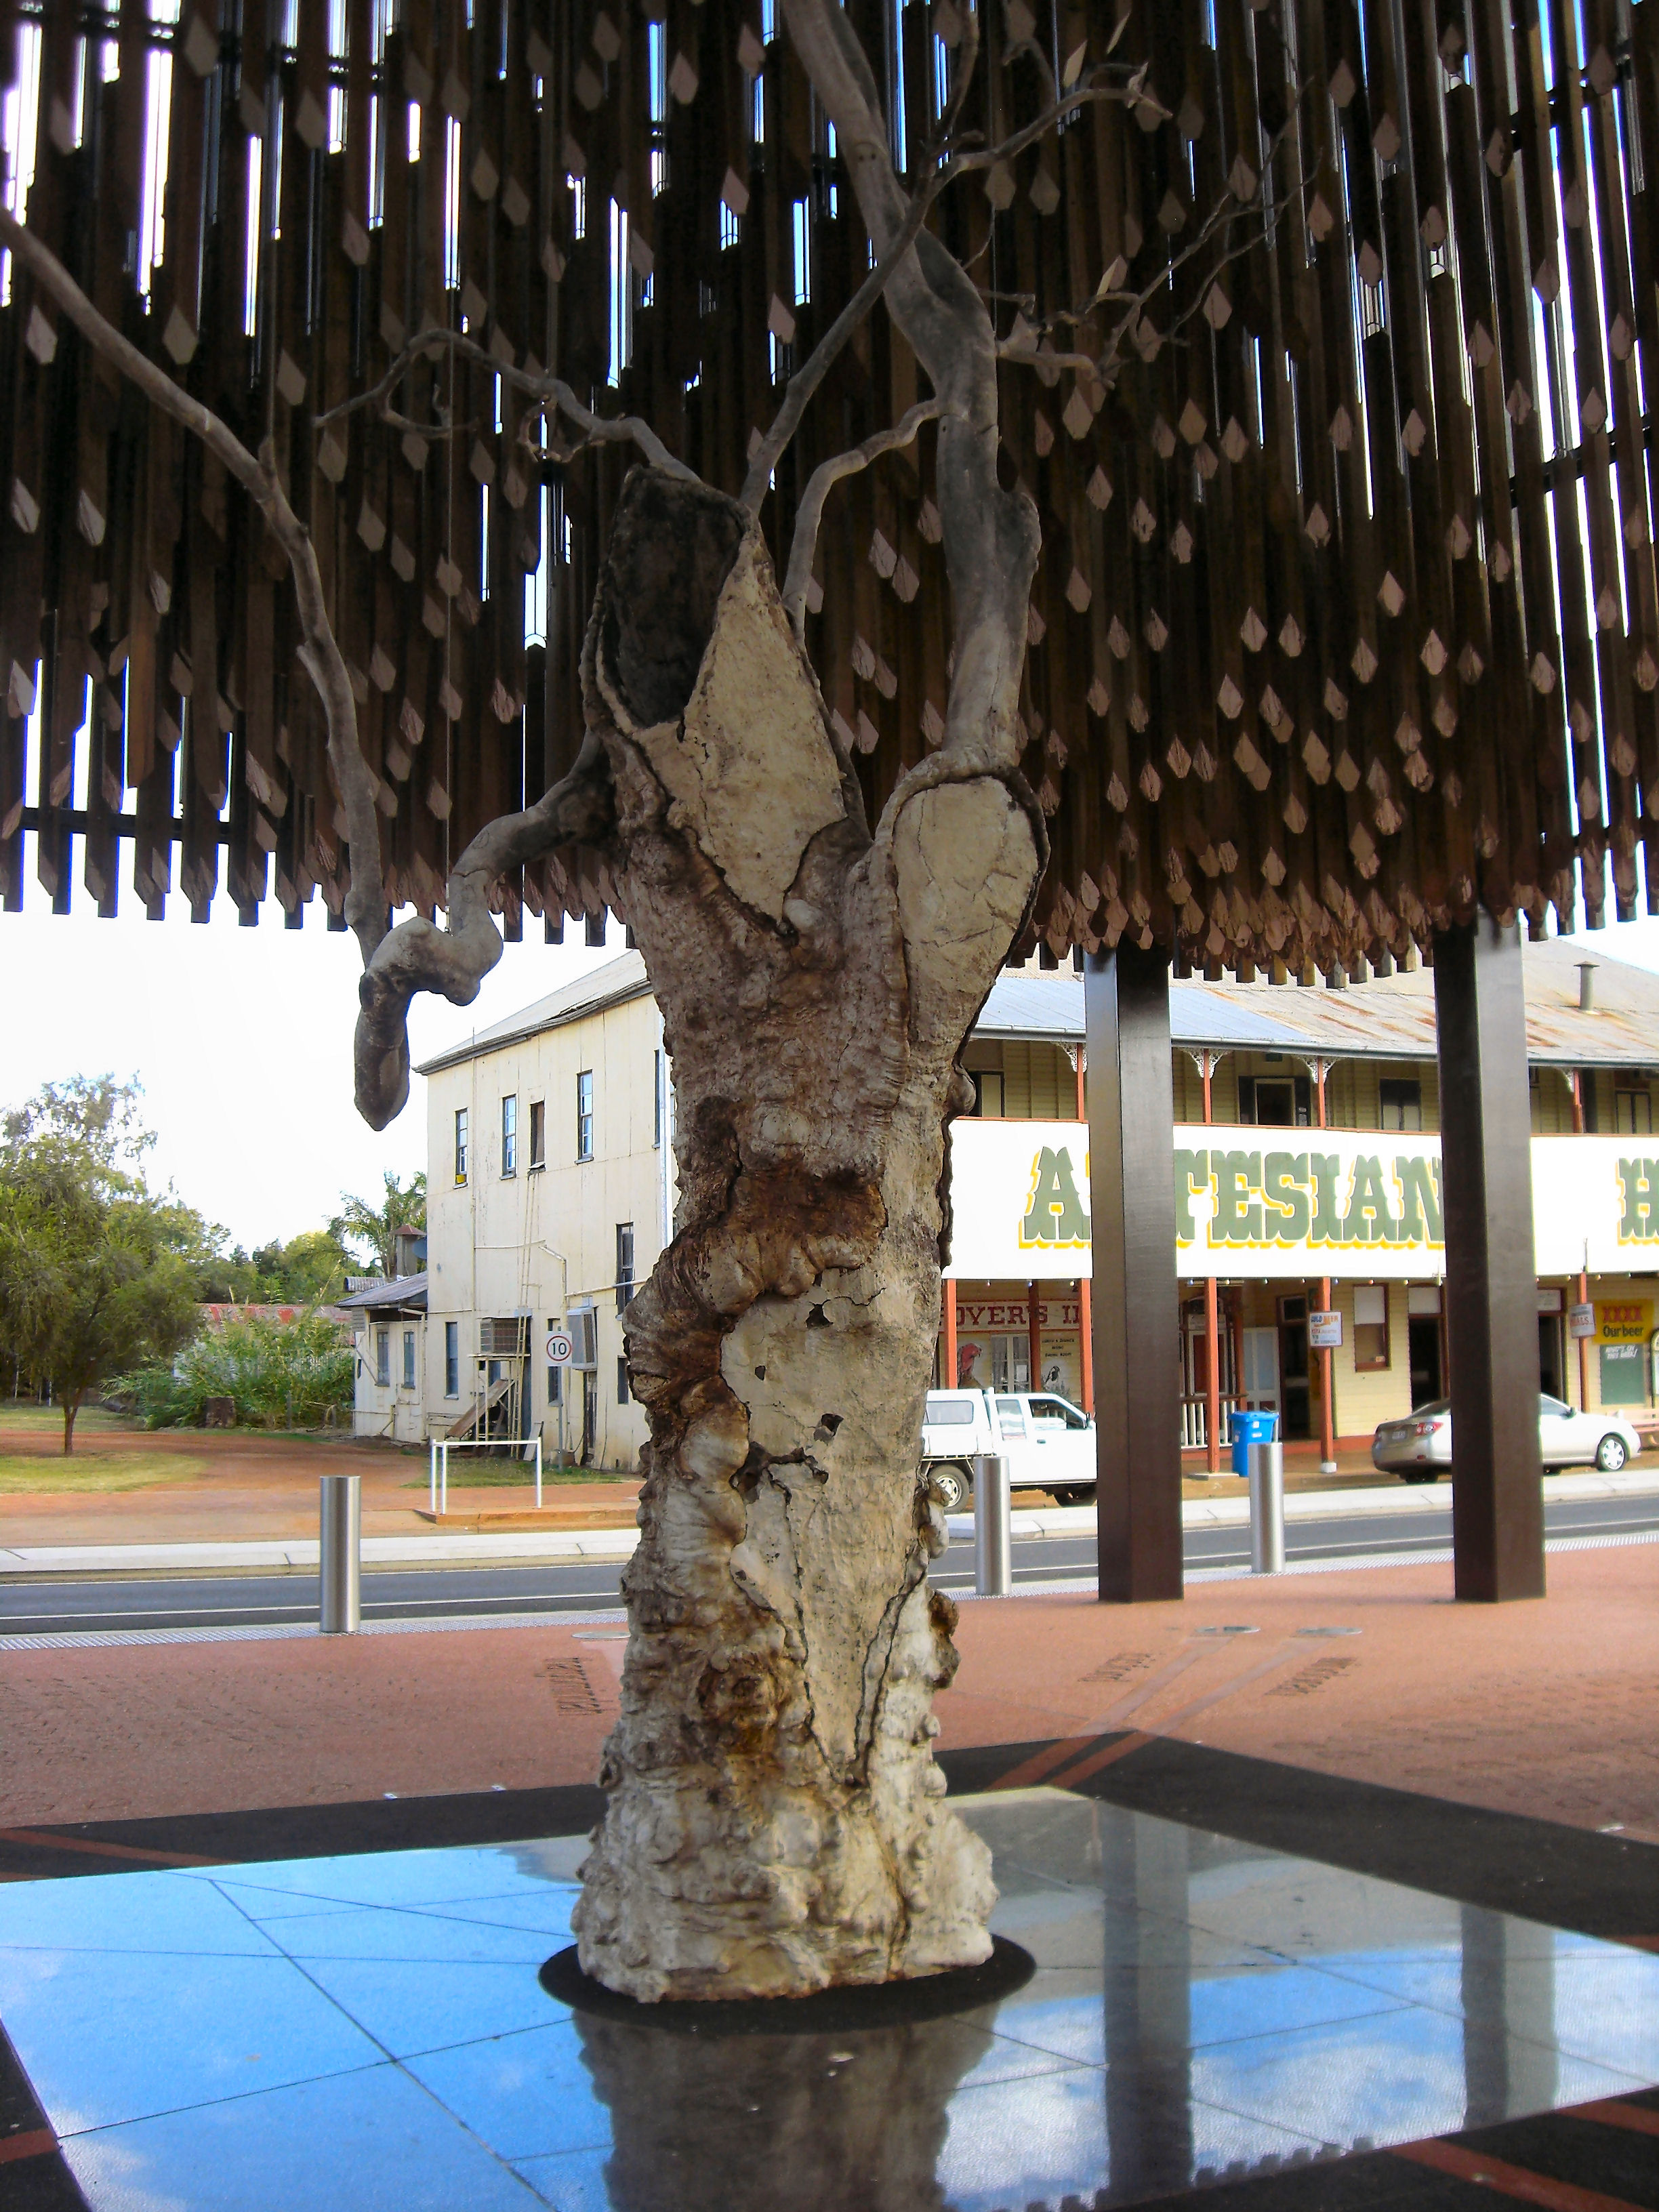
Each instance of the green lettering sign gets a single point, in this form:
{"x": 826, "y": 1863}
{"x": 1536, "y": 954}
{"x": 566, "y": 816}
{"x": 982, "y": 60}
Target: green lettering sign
{"x": 1325, "y": 1168}
{"x": 1639, "y": 1183}
{"x": 1370, "y": 1220}
{"x": 1283, "y": 1177}
{"x": 1421, "y": 1220}
{"x": 1237, "y": 1218}
{"x": 1055, "y": 1215}
{"x": 1192, "y": 1173}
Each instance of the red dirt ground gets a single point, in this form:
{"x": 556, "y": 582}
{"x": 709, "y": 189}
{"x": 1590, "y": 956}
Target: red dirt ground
{"x": 255, "y": 1488}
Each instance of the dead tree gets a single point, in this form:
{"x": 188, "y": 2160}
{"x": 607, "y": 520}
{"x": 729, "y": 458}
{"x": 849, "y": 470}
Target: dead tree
{"x": 1300, "y": 593}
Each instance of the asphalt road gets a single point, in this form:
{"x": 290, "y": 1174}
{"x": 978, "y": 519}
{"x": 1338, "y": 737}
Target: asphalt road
{"x": 475, "y": 1593}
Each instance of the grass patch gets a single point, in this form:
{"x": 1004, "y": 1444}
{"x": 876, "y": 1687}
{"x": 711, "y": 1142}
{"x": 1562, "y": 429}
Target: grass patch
{"x": 94, "y": 1472}
{"x": 25, "y": 1418}
{"x": 514, "y": 1474}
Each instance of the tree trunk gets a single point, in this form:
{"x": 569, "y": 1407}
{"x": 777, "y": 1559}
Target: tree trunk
{"x": 71, "y": 1407}
{"x": 775, "y": 1822}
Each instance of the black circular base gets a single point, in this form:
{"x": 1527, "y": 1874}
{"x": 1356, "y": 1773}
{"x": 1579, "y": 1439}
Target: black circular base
{"x": 826, "y": 2012}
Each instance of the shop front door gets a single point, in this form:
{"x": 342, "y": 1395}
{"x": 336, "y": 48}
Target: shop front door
{"x": 1293, "y": 1367}
{"x": 1422, "y": 1350}
{"x": 1552, "y": 1374}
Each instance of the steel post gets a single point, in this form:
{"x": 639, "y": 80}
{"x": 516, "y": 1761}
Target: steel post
{"x": 1267, "y": 1477}
{"x": 340, "y": 1567}
{"x": 993, "y": 1566}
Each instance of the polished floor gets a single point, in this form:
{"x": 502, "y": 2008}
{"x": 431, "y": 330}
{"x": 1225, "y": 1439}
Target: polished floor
{"x": 369, "y": 2032}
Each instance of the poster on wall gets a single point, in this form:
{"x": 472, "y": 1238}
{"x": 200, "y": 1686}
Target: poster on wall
{"x": 1325, "y": 1332}
{"x": 1288, "y": 1204}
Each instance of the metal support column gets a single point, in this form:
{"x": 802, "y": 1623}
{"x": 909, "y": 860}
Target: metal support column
{"x": 1492, "y": 1302}
{"x": 1137, "y": 1314}
{"x": 948, "y": 1372}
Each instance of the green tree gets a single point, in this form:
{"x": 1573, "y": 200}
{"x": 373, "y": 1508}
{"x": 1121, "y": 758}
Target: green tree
{"x": 361, "y": 1223}
{"x": 96, "y": 1272}
{"x": 279, "y": 1374}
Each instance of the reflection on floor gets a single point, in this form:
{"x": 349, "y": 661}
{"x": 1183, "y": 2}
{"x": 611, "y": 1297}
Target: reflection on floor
{"x": 370, "y": 2032}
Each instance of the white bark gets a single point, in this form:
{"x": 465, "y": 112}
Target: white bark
{"x": 776, "y": 1822}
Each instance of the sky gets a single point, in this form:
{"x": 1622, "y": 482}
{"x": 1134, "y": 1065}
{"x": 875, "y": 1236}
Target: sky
{"x": 241, "y": 1040}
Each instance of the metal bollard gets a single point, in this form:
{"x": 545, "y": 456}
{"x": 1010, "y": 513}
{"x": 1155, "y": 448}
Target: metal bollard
{"x": 1267, "y": 1509}
{"x": 994, "y": 1570}
{"x": 340, "y": 1577}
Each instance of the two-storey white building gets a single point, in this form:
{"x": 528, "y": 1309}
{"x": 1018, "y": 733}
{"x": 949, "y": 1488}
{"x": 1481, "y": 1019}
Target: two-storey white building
{"x": 550, "y": 1187}
{"x": 549, "y": 1194}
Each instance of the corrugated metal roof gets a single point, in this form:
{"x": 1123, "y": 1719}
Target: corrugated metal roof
{"x": 1389, "y": 1017}
{"x": 609, "y": 986}
{"x": 402, "y": 1290}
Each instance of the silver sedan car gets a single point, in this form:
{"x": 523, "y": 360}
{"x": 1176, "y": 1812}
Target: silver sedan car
{"x": 1419, "y": 1449}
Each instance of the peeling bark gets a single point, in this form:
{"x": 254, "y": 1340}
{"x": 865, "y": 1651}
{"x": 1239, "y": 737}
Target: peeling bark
{"x": 776, "y": 1821}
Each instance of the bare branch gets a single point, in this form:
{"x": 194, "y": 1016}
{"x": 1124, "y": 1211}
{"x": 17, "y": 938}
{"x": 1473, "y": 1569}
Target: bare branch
{"x": 549, "y": 391}
{"x": 418, "y": 956}
{"x": 1022, "y": 345}
{"x": 937, "y": 172}
{"x": 319, "y": 650}
{"x": 809, "y": 514}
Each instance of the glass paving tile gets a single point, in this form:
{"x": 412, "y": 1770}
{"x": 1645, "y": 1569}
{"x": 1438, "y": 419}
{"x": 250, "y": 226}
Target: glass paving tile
{"x": 1201, "y": 2009}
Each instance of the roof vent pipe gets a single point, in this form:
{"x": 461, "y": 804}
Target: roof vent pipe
{"x": 1586, "y": 986}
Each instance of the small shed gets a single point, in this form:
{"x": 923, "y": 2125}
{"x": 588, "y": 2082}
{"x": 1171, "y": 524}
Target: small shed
{"x": 389, "y": 1319}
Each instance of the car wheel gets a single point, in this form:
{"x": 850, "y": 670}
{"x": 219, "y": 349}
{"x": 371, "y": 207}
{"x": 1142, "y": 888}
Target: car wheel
{"x": 1611, "y": 1454}
{"x": 1419, "y": 1474}
{"x": 1071, "y": 1493}
{"x": 951, "y": 1483}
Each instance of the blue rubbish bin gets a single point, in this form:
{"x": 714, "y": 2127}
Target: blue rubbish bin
{"x": 1250, "y": 1429}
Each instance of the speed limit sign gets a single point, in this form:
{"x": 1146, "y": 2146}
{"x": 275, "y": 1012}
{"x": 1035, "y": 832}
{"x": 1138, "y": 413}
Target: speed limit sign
{"x": 561, "y": 1351}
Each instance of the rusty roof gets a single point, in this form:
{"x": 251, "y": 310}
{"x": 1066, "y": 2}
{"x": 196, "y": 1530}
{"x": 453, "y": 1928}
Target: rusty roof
{"x": 1389, "y": 1018}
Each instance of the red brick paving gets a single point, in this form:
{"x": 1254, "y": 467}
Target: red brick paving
{"x": 1548, "y": 1708}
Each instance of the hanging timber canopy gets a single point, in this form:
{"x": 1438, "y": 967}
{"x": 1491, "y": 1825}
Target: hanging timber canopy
{"x": 1326, "y": 363}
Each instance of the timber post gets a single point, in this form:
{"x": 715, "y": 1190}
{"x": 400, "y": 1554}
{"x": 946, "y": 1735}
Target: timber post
{"x": 1137, "y": 1314}
{"x": 1492, "y": 1306}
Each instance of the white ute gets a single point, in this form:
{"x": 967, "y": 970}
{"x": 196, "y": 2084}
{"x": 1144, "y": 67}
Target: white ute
{"x": 1049, "y": 1443}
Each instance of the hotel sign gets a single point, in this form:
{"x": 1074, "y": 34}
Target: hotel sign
{"x": 1287, "y": 1203}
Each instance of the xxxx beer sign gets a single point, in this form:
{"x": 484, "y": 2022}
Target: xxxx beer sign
{"x": 1367, "y": 1204}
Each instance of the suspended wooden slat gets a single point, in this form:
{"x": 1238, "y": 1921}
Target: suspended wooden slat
{"x": 1347, "y": 614}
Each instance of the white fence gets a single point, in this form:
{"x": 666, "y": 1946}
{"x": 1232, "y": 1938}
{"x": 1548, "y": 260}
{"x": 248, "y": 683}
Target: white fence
{"x": 442, "y": 1446}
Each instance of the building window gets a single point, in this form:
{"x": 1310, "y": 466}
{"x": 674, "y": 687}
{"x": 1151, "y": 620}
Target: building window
{"x": 509, "y": 1136}
{"x": 623, "y": 1395}
{"x": 656, "y": 1101}
{"x": 460, "y": 1144}
{"x": 383, "y": 1356}
{"x": 1632, "y": 1113}
{"x": 452, "y": 1359}
{"x": 537, "y": 1134}
{"x": 1401, "y": 1103}
{"x": 585, "y": 1115}
{"x": 409, "y": 1360}
{"x": 987, "y": 1092}
{"x": 624, "y": 1264}
{"x": 1370, "y": 1326}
